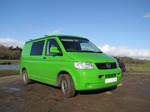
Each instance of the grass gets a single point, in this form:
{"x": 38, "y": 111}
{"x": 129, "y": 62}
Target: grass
{"x": 3, "y": 61}
{"x": 141, "y": 68}
{"x": 8, "y": 72}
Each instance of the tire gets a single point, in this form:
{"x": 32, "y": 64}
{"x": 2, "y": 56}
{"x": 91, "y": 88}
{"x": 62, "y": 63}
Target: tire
{"x": 25, "y": 77}
{"x": 67, "y": 86}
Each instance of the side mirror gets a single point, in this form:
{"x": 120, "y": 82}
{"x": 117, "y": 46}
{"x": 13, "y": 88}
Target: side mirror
{"x": 54, "y": 50}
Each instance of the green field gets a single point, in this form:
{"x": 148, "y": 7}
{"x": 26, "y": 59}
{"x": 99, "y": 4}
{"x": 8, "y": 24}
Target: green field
{"x": 8, "y": 72}
{"x": 9, "y": 61}
{"x": 142, "y": 68}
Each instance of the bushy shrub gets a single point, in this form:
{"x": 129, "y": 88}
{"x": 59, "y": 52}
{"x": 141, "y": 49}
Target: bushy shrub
{"x": 10, "y": 52}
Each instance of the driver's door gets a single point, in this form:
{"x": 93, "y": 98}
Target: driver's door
{"x": 51, "y": 62}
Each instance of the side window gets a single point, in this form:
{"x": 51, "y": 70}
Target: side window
{"x": 51, "y": 43}
{"x": 37, "y": 48}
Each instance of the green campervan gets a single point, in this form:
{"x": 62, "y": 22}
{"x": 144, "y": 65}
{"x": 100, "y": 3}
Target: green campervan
{"x": 70, "y": 62}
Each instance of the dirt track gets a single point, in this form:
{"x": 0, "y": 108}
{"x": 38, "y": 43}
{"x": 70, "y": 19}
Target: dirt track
{"x": 132, "y": 95}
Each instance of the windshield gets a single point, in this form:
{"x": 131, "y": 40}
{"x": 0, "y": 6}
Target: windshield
{"x": 79, "y": 45}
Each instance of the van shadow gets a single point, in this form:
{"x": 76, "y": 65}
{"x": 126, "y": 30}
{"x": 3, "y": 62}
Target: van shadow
{"x": 47, "y": 85}
{"x": 90, "y": 92}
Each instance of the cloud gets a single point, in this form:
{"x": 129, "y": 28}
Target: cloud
{"x": 58, "y": 31}
{"x": 146, "y": 15}
{"x": 125, "y": 51}
{"x": 11, "y": 42}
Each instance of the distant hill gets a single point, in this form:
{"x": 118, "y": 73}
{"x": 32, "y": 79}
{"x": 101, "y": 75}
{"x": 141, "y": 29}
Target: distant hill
{"x": 1, "y": 45}
{"x": 128, "y": 60}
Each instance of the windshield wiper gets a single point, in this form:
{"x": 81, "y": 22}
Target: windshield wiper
{"x": 87, "y": 51}
{"x": 91, "y": 51}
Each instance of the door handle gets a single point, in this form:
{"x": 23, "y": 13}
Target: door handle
{"x": 44, "y": 57}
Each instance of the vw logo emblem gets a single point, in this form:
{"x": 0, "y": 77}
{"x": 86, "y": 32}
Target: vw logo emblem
{"x": 108, "y": 65}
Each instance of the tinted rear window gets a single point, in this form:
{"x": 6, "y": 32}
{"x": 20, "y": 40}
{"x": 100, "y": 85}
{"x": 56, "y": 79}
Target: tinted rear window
{"x": 37, "y": 48}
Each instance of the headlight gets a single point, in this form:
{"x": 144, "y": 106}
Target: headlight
{"x": 83, "y": 65}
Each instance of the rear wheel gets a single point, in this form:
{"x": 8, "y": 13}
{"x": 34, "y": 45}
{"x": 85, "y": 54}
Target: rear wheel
{"x": 25, "y": 77}
{"x": 67, "y": 86}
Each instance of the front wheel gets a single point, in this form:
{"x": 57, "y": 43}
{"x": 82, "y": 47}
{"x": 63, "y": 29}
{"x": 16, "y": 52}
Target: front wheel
{"x": 25, "y": 77}
{"x": 67, "y": 86}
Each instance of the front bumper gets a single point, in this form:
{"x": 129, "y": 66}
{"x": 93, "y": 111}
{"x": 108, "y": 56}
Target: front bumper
{"x": 95, "y": 79}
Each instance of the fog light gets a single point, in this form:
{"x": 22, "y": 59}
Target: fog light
{"x": 100, "y": 76}
{"x": 88, "y": 85}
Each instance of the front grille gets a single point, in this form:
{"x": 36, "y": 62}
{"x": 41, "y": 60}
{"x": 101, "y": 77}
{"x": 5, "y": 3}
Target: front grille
{"x": 103, "y": 65}
{"x": 110, "y": 76}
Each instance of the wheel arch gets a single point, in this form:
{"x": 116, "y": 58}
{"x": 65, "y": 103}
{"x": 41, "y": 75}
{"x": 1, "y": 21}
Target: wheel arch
{"x": 21, "y": 70}
{"x": 61, "y": 73}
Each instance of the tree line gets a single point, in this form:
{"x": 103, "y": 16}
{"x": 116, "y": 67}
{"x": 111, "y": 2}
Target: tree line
{"x": 10, "y": 52}
{"x": 128, "y": 60}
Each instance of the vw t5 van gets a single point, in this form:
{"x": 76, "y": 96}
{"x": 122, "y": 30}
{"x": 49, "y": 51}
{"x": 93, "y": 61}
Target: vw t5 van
{"x": 70, "y": 62}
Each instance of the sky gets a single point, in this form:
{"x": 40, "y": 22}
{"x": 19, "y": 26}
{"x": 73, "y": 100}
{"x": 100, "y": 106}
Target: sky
{"x": 117, "y": 27}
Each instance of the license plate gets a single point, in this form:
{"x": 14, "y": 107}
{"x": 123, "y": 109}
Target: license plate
{"x": 111, "y": 80}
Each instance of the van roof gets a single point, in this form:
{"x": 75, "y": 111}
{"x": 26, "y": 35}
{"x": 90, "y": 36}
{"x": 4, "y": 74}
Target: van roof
{"x": 66, "y": 36}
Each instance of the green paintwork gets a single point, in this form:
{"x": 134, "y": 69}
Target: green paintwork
{"x": 46, "y": 68}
